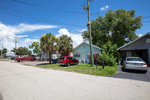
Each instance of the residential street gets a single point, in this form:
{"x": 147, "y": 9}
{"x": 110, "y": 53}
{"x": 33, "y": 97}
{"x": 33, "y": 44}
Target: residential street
{"x": 20, "y": 82}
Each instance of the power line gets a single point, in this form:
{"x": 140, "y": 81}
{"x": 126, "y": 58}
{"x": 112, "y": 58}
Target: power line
{"x": 49, "y": 7}
{"x": 63, "y": 8}
{"x": 54, "y": 11}
{"x": 146, "y": 21}
{"x": 63, "y": 23}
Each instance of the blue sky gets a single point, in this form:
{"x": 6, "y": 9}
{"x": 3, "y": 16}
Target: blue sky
{"x": 30, "y": 21}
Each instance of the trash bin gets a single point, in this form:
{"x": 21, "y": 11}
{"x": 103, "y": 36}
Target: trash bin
{"x": 57, "y": 60}
{"x": 54, "y": 61}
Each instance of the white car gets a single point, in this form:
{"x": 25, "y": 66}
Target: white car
{"x": 135, "y": 63}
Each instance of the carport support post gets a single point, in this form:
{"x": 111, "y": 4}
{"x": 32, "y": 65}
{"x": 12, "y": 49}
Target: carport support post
{"x": 149, "y": 56}
{"x": 90, "y": 39}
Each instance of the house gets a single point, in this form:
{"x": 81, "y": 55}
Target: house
{"x": 139, "y": 47}
{"x": 9, "y": 55}
{"x": 82, "y": 51}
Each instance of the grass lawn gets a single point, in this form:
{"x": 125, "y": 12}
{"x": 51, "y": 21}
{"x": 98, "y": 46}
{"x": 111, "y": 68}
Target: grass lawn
{"x": 84, "y": 68}
{"x": 4, "y": 58}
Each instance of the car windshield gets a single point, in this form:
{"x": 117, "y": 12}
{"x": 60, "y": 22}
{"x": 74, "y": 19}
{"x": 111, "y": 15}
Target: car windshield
{"x": 134, "y": 59}
{"x": 62, "y": 58}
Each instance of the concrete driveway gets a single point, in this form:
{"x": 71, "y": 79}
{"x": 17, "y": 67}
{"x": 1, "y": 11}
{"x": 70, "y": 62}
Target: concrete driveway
{"x": 132, "y": 74}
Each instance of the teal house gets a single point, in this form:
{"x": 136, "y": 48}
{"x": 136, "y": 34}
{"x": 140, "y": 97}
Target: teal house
{"x": 82, "y": 51}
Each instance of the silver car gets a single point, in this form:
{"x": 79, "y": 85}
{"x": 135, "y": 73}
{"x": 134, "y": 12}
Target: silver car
{"x": 135, "y": 63}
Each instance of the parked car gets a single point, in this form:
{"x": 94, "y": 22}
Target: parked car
{"x": 135, "y": 63}
{"x": 67, "y": 60}
{"x": 22, "y": 58}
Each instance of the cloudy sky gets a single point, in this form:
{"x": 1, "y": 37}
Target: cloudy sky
{"x": 37, "y": 17}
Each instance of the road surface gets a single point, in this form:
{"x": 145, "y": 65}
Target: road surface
{"x": 20, "y": 82}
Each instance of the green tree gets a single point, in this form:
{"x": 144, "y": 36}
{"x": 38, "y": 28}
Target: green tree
{"x": 65, "y": 45}
{"x": 35, "y": 46}
{"x": 23, "y": 51}
{"x": 4, "y": 50}
{"x": 0, "y": 52}
{"x": 107, "y": 54}
{"x": 48, "y": 44}
{"x": 117, "y": 27}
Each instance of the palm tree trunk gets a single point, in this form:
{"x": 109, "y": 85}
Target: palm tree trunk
{"x": 50, "y": 58}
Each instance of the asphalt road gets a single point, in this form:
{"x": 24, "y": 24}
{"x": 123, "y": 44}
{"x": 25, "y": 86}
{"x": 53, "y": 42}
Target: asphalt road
{"x": 20, "y": 82}
{"x": 132, "y": 74}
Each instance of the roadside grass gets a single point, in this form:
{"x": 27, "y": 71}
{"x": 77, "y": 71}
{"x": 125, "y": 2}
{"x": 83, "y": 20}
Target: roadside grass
{"x": 4, "y": 58}
{"x": 84, "y": 69}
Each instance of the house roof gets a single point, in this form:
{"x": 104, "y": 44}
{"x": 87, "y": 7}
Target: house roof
{"x": 87, "y": 44}
{"x": 133, "y": 41}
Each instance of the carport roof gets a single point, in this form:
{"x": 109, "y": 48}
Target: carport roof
{"x": 133, "y": 41}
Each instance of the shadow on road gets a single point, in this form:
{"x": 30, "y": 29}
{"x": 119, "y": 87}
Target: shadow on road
{"x": 43, "y": 64}
{"x": 1, "y": 97}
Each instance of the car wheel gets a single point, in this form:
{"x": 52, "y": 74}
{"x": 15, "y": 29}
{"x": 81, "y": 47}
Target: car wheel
{"x": 145, "y": 71}
{"x": 77, "y": 63}
{"x": 68, "y": 64}
{"x": 20, "y": 60}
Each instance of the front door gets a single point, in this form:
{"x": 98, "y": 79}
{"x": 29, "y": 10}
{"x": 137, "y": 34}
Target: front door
{"x": 83, "y": 57}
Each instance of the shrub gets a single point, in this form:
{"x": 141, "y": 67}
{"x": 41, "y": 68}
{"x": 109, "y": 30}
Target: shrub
{"x": 108, "y": 59}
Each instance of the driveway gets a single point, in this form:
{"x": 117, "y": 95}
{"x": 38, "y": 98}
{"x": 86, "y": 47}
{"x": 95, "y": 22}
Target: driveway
{"x": 21, "y": 82}
{"x": 132, "y": 74}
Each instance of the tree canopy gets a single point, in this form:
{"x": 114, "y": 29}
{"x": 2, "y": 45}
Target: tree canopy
{"x": 22, "y": 51}
{"x": 4, "y": 50}
{"x": 65, "y": 45}
{"x": 35, "y": 46}
{"x": 48, "y": 44}
{"x": 119, "y": 27}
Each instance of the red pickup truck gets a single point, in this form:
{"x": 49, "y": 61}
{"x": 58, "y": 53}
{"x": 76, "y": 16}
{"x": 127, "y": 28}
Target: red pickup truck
{"x": 25, "y": 58}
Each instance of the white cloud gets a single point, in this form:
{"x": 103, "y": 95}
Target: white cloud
{"x": 77, "y": 38}
{"x": 83, "y": 30}
{"x": 104, "y": 8}
{"x": 27, "y": 27}
{"x": 8, "y": 32}
{"x": 139, "y": 35}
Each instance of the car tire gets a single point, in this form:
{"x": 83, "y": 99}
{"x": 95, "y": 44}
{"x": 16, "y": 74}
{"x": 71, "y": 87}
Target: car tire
{"x": 77, "y": 63}
{"x": 20, "y": 60}
{"x": 68, "y": 64}
{"x": 123, "y": 69}
{"x": 145, "y": 71}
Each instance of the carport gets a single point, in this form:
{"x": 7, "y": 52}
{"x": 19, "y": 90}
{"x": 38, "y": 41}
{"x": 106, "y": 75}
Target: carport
{"x": 140, "y": 47}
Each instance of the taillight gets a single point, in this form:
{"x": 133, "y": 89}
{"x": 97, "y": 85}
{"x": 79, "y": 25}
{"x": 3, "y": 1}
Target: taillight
{"x": 142, "y": 63}
{"x": 128, "y": 63}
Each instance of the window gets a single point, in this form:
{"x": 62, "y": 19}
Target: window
{"x": 134, "y": 59}
{"x": 69, "y": 58}
{"x": 77, "y": 54}
{"x": 62, "y": 58}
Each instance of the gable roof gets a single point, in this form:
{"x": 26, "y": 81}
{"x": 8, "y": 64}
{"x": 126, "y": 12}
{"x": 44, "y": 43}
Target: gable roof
{"x": 133, "y": 41}
{"x": 87, "y": 44}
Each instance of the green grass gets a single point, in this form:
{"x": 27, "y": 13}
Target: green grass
{"x": 4, "y": 58}
{"x": 84, "y": 68}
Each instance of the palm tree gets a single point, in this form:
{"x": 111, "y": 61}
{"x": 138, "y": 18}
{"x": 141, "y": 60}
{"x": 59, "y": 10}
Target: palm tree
{"x": 48, "y": 44}
{"x": 65, "y": 45}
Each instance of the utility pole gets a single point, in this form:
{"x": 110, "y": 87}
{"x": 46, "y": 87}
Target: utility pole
{"x": 89, "y": 25}
{"x": 15, "y": 44}
{"x": 2, "y": 51}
